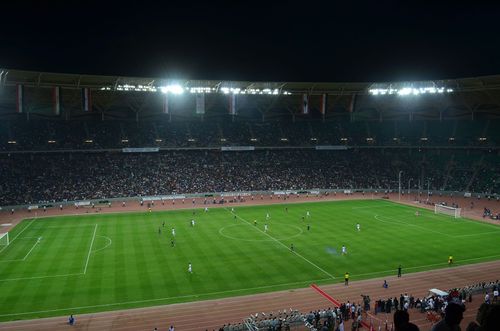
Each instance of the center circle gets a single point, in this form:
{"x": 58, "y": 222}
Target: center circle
{"x": 224, "y": 232}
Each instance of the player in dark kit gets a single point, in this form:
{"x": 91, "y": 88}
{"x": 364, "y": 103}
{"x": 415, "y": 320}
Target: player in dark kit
{"x": 399, "y": 271}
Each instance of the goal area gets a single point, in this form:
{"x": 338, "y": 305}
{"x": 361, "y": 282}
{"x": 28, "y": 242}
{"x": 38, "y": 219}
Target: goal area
{"x": 4, "y": 239}
{"x": 447, "y": 210}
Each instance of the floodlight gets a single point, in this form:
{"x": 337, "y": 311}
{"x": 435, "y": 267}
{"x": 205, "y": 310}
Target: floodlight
{"x": 174, "y": 89}
{"x": 405, "y": 91}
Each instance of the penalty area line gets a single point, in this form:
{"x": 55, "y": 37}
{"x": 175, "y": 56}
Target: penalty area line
{"x": 38, "y": 277}
{"x": 27, "y": 226}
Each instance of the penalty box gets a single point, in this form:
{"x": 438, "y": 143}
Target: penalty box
{"x": 41, "y": 250}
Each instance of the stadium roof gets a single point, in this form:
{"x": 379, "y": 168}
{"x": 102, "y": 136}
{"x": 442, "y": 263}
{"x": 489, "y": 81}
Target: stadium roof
{"x": 75, "y": 81}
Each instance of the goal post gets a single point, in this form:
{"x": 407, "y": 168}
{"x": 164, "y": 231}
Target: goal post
{"x": 4, "y": 239}
{"x": 447, "y": 210}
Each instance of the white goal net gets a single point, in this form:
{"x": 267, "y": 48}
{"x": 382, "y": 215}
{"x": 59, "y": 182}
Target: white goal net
{"x": 4, "y": 239}
{"x": 442, "y": 209}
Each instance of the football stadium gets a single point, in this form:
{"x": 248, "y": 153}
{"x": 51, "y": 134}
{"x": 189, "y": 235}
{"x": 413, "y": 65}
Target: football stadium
{"x": 139, "y": 203}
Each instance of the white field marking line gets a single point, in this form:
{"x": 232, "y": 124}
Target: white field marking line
{"x": 451, "y": 219}
{"x": 66, "y": 226}
{"x": 36, "y": 243}
{"x": 279, "y": 242}
{"x": 458, "y": 263}
{"x": 90, "y": 250}
{"x": 18, "y": 235}
{"x": 446, "y": 234}
{"x": 407, "y": 224}
{"x": 438, "y": 218}
{"x": 200, "y": 208}
{"x": 109, "y": 244}
{"x": 370, "y": 207}
{"x": 39, "y": 277}
{"x": 166, "y": 298}
{"x": 3, "y": 261}
{"x": 476, "y": 234}
{"x": 221, "y": 232}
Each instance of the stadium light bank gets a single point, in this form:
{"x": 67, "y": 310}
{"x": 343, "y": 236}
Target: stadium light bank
{"x": 179, "y": 89}
{"x": 408, "y": 89}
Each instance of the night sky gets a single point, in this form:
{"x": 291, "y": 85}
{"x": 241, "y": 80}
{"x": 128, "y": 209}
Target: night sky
{"x": 245, "y": 40}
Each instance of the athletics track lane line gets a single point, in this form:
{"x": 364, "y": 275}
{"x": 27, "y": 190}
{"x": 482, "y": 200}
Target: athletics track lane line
{"x": 334, "y": 301}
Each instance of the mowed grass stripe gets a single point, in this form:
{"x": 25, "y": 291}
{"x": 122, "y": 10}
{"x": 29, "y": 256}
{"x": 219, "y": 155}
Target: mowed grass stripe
{"x": 140, "y": 268}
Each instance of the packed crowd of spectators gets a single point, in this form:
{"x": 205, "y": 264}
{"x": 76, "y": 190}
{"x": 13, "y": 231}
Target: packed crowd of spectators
{"x": 448, "y": 309}
{"x": 52, "y": 134}
{"x": 52, "y": 177}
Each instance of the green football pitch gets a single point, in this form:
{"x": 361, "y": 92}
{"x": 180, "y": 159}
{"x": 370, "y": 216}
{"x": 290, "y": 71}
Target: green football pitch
{"x": 96, "y": 262}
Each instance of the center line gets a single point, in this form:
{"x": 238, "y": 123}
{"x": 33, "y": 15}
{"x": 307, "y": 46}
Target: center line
{"x": 90, "y": 251}
{"x": 279, "y": 242}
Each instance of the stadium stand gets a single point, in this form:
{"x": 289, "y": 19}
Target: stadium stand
{"x": 42, "y": 177}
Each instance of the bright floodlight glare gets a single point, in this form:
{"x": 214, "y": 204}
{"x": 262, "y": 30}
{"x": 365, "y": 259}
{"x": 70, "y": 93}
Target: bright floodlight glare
{"x": 405, "y": 91}
{"x": 408, "y": 88}
{"x": 174, "y": 89}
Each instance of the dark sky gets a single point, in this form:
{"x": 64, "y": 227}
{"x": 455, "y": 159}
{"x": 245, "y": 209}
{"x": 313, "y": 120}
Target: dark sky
{"x": 245, "y": 40}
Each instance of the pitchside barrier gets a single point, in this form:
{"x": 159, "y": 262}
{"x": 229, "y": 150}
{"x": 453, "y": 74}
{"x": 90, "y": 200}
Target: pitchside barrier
{"x": 245, "y": 194}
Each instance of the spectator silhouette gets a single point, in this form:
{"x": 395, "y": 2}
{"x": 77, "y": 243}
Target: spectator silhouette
{"x": 453, "y": 315}
{"x": 402, "y": 322}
